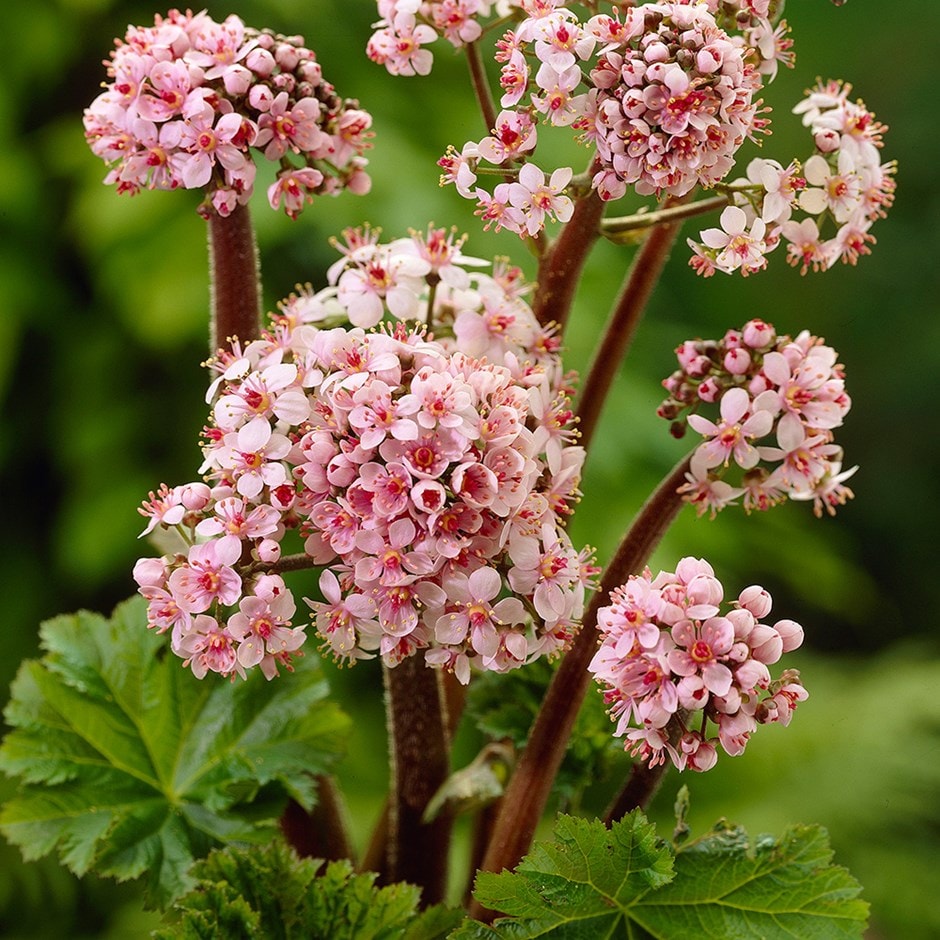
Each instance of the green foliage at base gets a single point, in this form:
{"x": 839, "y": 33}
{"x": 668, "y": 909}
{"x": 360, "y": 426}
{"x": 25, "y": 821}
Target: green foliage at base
{"x": 594, "y": 882}
{"x": 130, "y": 766}
{"x": 271, "y": 894}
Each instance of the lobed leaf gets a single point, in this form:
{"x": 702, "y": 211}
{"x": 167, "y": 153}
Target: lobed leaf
{"x": 593, "y": 882}
{"x": 272, "y": 893}
{"x": 130, "y": 766}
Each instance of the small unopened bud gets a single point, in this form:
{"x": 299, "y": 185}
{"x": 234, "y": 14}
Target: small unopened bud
{"x": 737, "y": 361}
{"x": 756, "y": 600}
{"x": 827, "y": 141}
{"x": 710, "y": 389}
{"x": 791, "y": 633}
{"x": 758, "y": 334}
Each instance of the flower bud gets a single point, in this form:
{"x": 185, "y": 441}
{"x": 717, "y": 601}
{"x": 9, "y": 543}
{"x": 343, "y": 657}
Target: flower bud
{"x": 758, "y": 334}
{"x": 656, "y": 52}
{"x": 269, "y": 551}
{"x": 150, "y": 572}
{"x": 237, "y": 80}
{"x": 827, "y": 141}
{"x": 791, "y": 633}
{"x": 261, "y": 62}
{"x": 710, "y": 390}
{"x": 766, "y": 644}
{"x": 756, "y": 600}
{"x": 195, "y": 496}
{"x": 737, "y": 361}
{"x": 287, "y": 56}
{"x": 260, "y": 98}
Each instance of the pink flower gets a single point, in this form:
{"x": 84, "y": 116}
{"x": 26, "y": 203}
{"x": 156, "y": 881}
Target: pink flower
{"x": 234, "y": 519}
{"x": 253, "y": 454}
{"x": 343, "y": 620}
{"x": 208, "y": 576}
{"x": 671, "y": 664}
{"x": 262, "y": 627}
{"x": 209, "y": 648}
{"x": 475, "y": 613}
{"x": 514, "y": 135}
{"x": 207, "y": 142}
{"x": 284, "y": 127}
{"x": 295, "y": 188}
{"x": 736, "y": 247}
{"x": 164, "y": 507}
{"x": 731, "y": 438}
{"x": 398, "y": 47}
{"x": 536, "y": 198}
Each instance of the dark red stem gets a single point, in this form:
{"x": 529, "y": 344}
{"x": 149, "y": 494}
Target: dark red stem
{"x": 322, "y": 832}
{"x": 621, "y": 327}
{"x": 561, "y": 265}
{"x": 420, "y": 763}
{"x": 235, "y": 278}
{"x": 481, "y": 86}
{"x": 529, "y": 788}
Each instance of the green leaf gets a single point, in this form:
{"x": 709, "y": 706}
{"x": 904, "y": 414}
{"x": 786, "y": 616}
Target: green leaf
{"x": 131, "y": 766}
{"x": 273, "y": 894}
{"x": 593, "y": 882}
{"x": 729, "y": 885}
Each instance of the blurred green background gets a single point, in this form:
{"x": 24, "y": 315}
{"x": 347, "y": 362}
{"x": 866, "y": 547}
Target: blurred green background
{"x": 104, "y": 326}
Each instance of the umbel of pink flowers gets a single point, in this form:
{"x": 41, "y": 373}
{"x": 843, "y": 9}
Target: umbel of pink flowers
{"x": 680, "y": 677}
{"x": 667, "y": 93}
{"x": 779, "y": 401}
{"x": 840, "y": 190}
{"x": 664, "y": 92}
{"x": 432, "y": 483}
{"x": 193, "y": 103}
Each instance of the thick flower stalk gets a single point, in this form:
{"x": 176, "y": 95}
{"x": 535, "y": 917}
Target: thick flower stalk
{"x": 682, "y": 679}
{"x": 434, "y": 483}
{"x": 841, "y": 190}
{"x": 779, "y": 401}
{"x": 194, "y": 103}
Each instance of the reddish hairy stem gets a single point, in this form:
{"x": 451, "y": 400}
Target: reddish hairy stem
{"x": 420, "y": 746}
{"x": 481, "y": 86}
{"x": 561, "y": 265}
{"x": 640, "y": 788}
{"x": 454, "y": 697}
{"x": 234, "y": 278}
{"x": 322, "y": 832}
{"x": 529, "y": 788}
{"x": 621, "y": 327}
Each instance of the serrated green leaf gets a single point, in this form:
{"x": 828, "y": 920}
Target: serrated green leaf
{"x": 272, "y": 894}
{"x": 131, "y": 766}
{"x": 590, "y": 882}
{"x": 761, "y": 888}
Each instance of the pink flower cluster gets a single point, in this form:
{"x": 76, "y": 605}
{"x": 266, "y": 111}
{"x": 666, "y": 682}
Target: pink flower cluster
{"x": 680, "y": 677}
{"x": 433, "y": 483}
{"x": 674, "y": 101}
{"x": 190, "y": 101}
{"x": 779, "y": 400}
{"x": 665, "y": 94}
{"x": 843, "y": 186}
